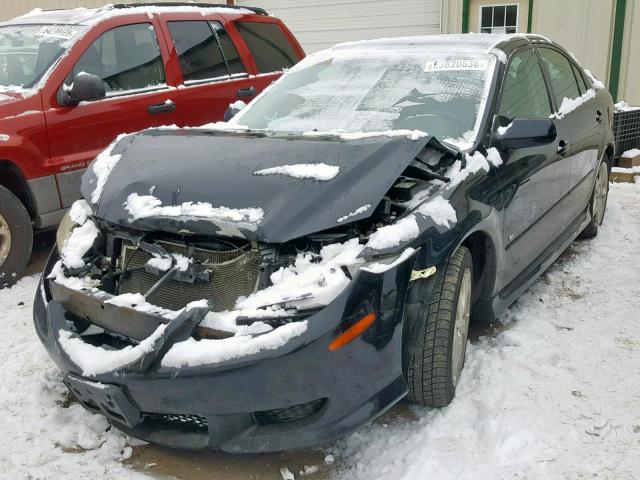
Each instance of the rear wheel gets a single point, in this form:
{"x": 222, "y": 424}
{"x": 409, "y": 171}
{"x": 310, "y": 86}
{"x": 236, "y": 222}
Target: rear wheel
{"x": 16, "y": 237}
{"x": 438, "y": 354}
{"x": 598, "y": 202}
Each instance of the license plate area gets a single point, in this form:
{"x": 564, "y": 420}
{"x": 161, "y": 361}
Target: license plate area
{"x": 109, "y": 400}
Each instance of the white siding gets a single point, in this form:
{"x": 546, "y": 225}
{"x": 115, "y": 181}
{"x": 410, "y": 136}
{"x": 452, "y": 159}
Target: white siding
{"x": 320, "y": 24}
{"x": 584, "y": 27}
{"x": 629, "y": 86}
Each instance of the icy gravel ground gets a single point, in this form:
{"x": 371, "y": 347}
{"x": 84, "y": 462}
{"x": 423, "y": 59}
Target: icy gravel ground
{"x": 556, "y": 394}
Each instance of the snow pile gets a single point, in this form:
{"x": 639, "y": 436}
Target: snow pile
{"x": 633, "y": 153}
{"x": 194, "y": 352}
{"x": 570, "y": 104}
{"x": 596, "y": 83}
{"x": 440, "y": 211}
{"x": 78, "y": 244}
{"x": 80, "y": 211}
{"x": 493, "y": 156}
{"x": 136, "y": 301}
{"x": 237, "y": 105}
{"x": 313, "y": 171}
{"x": 503, "y": 130}
{"x": 163, "y": 264}
{"x": 404, "y": 230}
{"x": 309, "y": 281}
{"x": 96, "y": 360}
{"x": 57, "y": 274}
{"x": 355, "y": 213}
{"x": 623, "y": 106}
{"x": 144, "y": 206}
{"x": 410, "y": 134}
{"x": 4, "y": 137}
{"x": 102, "y": 167}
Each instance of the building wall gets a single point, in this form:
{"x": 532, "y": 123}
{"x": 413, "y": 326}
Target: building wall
{"x": 629, "y": 86}
{"x": 320, "y": 24}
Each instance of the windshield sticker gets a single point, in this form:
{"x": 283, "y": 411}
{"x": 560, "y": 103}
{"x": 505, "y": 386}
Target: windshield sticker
{"x": 56, "y": 31}
{"x": 456, "y": 64}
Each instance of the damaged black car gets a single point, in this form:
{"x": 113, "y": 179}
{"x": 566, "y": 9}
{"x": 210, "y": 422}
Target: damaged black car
{"x": 279, "y": 280}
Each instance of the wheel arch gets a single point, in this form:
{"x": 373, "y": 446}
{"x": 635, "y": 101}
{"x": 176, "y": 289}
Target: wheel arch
{"x": 12, "y": 178}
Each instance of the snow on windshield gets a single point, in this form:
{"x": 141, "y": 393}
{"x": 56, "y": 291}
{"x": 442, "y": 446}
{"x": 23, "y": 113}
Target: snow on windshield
{"x": 363, "y": 90}
{"x": 27, "y": 51}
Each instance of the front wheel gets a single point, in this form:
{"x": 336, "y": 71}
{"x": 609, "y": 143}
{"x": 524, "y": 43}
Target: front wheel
{"x": 598, "y": 202}
{"x": 438, "y": 354}
{"x": 16, "y": 237}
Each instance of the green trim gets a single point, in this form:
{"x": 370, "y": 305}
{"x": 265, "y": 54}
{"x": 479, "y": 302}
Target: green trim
{"x": 530, "y": 16}
{"x": 616, "y": 48}
{"x": 465, "y": 16}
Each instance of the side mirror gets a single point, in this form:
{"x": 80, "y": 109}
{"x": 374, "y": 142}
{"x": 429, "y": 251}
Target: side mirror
{"x": 525, "y": 132}
{"x": 85, "y": 87}
{"x": 233, "y": 109}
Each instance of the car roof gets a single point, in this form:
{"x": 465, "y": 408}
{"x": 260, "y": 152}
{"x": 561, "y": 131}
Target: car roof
{"x": 91, "y": 16}
{"x": 450, "y": 43}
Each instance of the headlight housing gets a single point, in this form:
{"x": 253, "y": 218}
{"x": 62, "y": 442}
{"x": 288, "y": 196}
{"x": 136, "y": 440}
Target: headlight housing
{"x": 64, "y": 231}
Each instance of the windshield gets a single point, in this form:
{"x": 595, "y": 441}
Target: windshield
{"x": 372, "y": 91}
{"x": 28, "y": 51}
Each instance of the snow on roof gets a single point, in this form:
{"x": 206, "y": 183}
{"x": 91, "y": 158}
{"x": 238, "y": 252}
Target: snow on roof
{"x": 466, "y": 42}
{"x": 91, "y": 16}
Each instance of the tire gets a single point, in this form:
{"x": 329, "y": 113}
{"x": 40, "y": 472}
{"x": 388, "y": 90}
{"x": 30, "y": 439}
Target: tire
{"x": 438, "y": 357}
{"x": 16, "y": 238}
{"x": 598, "y": 202}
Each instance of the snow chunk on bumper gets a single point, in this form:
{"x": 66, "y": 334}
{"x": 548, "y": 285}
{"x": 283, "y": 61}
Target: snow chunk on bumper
{"x": 144, "y": 206}
{"x": 192, "y": 352}
{"x": 78, "y": 244}
{"x": 97, "y": 360}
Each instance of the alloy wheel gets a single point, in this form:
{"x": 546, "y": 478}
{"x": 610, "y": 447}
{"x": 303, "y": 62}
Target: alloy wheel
{"x": 5, "y": 240}
{"x": 600, "y": 191}
{"x": 461, "y": 328}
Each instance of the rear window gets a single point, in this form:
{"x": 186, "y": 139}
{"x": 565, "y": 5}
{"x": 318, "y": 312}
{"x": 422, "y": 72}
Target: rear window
{"x": 268, "y": 44}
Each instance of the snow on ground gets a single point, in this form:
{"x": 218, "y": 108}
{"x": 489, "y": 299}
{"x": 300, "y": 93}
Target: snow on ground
{"x": 552, "y": 394}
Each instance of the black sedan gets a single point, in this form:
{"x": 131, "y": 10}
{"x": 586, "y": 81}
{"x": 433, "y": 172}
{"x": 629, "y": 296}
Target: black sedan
{"x": 277, "y": 281}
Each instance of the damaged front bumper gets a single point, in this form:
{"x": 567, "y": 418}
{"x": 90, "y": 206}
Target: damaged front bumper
{"x": 295, "y": 395}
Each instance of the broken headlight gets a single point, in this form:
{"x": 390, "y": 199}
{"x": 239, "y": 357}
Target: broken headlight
{"x": 64, "y": 231}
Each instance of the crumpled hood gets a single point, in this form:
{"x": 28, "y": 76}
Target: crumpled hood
{"x": 219, "y": 168}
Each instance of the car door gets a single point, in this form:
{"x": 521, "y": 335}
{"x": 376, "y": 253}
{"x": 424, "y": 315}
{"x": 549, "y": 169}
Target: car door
{"x": 212, "y": 72}
{"x": 585, "y": 122}
{"x": 129, "y": 61}
{"x": 534, "y": 180}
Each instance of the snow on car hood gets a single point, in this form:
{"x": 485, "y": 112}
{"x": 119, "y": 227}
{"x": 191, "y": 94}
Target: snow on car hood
{"x": 204, "y": 182}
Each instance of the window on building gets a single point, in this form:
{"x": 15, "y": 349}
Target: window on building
{"x": 499, "y": 18}
{"x": 524, "y": 93}
{"x": 269, "y": 46}
{"x": 563, "y": 81}
{"x": 125, "y": 58}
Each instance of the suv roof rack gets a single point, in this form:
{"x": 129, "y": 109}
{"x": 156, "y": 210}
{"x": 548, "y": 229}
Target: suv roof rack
{"x": 256, "y": 10}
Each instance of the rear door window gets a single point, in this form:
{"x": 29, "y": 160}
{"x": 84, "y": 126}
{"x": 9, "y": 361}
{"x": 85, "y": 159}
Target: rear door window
{"x": 125, "y": 58}
{"x": 563, "y": 81}
{"x": 198, "y": 50}
{"x": 229, "y": 50}
{"x": 582, "y": 83}
{"x": 270, "y": 47}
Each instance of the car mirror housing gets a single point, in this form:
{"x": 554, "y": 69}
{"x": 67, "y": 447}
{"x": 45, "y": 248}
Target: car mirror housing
{"x": 233, "y": 109}
{"x": 525, "y": 132}
{"x": 85, "y": 87}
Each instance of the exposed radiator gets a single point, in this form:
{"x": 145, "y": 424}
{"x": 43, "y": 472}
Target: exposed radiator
{"x": 234, "y": 273}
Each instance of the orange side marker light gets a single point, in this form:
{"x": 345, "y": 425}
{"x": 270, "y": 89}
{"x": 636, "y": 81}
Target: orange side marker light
{"x": 353, "y": 332}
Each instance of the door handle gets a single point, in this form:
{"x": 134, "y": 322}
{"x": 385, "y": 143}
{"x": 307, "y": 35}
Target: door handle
{"x": 599, "y": 116}
{"x": 158, "y": 108}
{"x": 563, "y": 148}
{"x": 247, "y": 92}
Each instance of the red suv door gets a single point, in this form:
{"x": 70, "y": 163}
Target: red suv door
{"x": 217, "y": 64}
{"x": 130, "y": 59}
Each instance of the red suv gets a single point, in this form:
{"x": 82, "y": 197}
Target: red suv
{"x": 72, "y": 80}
